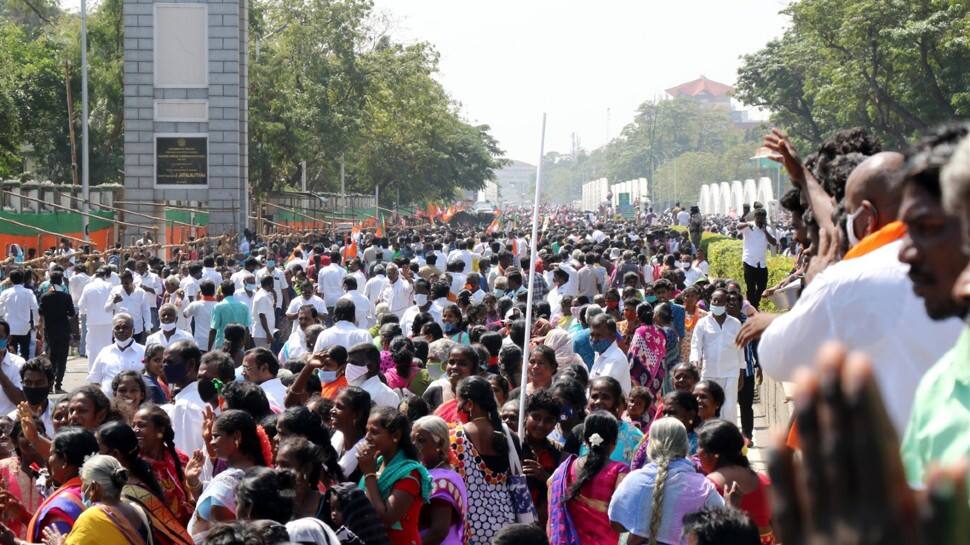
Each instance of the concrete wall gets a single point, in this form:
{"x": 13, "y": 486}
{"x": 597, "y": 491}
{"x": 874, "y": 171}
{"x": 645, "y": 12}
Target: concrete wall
{"x": 155, "y": 108}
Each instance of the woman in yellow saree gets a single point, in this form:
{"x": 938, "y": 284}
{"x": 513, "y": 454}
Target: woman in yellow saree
{"x": 109, "y": 518}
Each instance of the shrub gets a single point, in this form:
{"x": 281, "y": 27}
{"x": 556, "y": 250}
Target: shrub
{"x": 724, "y": 259}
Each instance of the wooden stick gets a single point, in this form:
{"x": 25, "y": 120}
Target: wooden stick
{"x": 60, "y": 207}
{"x": 293, "y": 211}
{"x": 44, "y": 231}
{"x": 140, "y": 214}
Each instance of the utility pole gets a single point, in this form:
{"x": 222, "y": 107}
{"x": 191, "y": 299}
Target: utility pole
{"x": 303, "y": 176}
{"x": 85, "y": 164}
{"x": 343, "y": 186}
{"x": 70, "y": 123}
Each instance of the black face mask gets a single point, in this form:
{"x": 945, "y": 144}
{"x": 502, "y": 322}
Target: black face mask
{"x": 35, "y": 395}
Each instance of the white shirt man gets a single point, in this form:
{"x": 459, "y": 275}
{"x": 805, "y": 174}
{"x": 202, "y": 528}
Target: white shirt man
{"x": 275, "y": 393}
{"x": 755, "y": 246}
{"x": 114, "y": 360}
{"x": 713, "y": 350}
{"x": 134, "y": 303}
{"x": 238, "y": 279}
{"x": 279, "y": 283}
{"x": 152, "y": 281}
{"x": 18, "y": 306}
{"x": 330, "y": 283}
{"x": 380, "y": 394}
{"x": 464, "y": 256}
{"x": 263, "y": 306}
{"x": 91, "y": 304}
{"x": 76, "y": 285}
{"x": 187, "y": 414}
{"x": 10, "y": 366}
{"x": 190, "y": 287}
{"x": 201, "y": 313}
{"x": 613, "y": 362}
{"x": 342, "y": 333}
{"x": 374, "y": 288}
{"x": 362, "y": 308}
{"x": 683, "y": 218}
{"x": 212, "y": 275}
{"x": 361, "y": 280}
{"x": 398, "y": 296}
{"x": 159, "y": 337}
{"x": 868, "y": 304}
{"x": 301, "y": 301}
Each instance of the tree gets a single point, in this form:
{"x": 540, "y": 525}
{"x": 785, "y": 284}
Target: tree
{"x": 895, "y": 67}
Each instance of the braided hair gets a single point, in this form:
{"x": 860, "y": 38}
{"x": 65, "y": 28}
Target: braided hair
{"x": 600, "y": 430}
{"x": 159, "y": 418}
{"x": 478, "y": 390}
{"x": 118, "y": 436}
{"x": 668, "y": 442}
{"x": 233, "y": 421}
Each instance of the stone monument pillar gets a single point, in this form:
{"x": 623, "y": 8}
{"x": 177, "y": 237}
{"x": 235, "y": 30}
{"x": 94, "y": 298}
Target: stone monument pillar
{"x": 186, "y": 101}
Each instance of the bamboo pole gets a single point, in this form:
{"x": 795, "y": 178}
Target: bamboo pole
{"x": 293, "y": 211}
{"x": 116, "y": 209}
{"x": 61, "y": 207}
{"x": 44, "y": 231}
{"x": 273, "y": 223}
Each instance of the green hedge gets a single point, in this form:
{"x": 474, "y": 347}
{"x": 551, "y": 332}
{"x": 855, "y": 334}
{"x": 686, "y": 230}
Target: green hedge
{"x": 724, "y": 258}
{"x": 706, "y": 239}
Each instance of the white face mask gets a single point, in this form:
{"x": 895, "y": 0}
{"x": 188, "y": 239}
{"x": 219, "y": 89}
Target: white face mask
{"x": 420, "y": 299}
{"x": 718, "y": 310}
{"x": 124, "y": 344}
{"x": 168, "y": 327}
{"x": 356, "y": 374}
{"x": 850, "y": 226}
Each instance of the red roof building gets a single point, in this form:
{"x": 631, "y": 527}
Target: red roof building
{"x": 701, "y": 87}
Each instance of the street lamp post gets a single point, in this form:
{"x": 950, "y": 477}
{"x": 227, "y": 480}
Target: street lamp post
{"x": 85, "y": 167}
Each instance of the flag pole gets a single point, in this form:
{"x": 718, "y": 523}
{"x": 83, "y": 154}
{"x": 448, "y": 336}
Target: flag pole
{"x": 533, "y": 247}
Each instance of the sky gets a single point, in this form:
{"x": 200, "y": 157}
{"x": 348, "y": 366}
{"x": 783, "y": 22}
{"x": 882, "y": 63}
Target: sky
{"x": 508, "y": 61}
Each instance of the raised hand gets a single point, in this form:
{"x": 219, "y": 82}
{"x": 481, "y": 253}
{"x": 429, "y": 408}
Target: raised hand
{"x": 193, "y": 468}
{"x": 777, "y": 141}
{"x": 849, "y": 487}
{"x": 53, "y": 536}
{"x": 367, "y": 458}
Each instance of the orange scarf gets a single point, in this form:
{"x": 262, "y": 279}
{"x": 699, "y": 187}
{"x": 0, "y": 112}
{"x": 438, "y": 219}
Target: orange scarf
{"x": 890, "y": 232}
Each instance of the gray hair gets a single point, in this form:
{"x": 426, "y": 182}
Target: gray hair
{"x": 124, "y": 316}
{"x": 668, "y": 440}
{"x": 107, "y": 472}
{"x": 436, "y": 426}
{"x": 955, "y": 178}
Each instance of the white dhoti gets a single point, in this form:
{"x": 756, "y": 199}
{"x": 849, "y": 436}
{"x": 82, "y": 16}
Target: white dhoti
{"x": 98, "y": 337}
{"x": 729, "y": 411}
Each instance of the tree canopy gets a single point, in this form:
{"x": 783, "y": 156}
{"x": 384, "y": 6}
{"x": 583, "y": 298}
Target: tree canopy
{"x": 327, "y": 83}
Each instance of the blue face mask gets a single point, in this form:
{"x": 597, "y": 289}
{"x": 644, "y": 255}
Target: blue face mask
{"x": 601, "y": 345}
{"x": 327, "y": 377}
{"x": 3, "y": 344}
{"x": 499, "y": 293}
{"x": 270, "y": 263}
{"x": 450, "y": 327}
{"x": 651, "y": 298}
{"x": 84, "y": 500}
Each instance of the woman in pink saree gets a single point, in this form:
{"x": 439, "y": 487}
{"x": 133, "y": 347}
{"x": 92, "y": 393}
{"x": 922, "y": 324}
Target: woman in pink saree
{"x": 646, "y": 356}
{"x": 581, "y": 488}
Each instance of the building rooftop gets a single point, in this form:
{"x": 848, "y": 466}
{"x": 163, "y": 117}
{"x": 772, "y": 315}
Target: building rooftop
{"x": 700, "y": 87}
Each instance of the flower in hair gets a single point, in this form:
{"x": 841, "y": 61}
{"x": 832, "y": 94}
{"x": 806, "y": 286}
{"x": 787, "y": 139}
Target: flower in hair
{"x": 595, "y": 440}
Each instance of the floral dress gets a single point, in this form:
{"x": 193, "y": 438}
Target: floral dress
{"x": 489, "y": 502}
{"x": 646, "y": 356}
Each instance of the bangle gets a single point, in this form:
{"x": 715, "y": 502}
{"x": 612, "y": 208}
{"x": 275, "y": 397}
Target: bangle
{"x": 370, "y": 475}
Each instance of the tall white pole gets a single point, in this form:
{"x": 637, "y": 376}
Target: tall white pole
{"x": 533, "y": 245}
{"x": 303, "y": 176}
{"x": 85, "y": 190}
{"x": 343, "y": 186}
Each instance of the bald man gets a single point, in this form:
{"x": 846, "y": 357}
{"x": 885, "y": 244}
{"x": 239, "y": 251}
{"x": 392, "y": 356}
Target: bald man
{"x": 872, "y": 195}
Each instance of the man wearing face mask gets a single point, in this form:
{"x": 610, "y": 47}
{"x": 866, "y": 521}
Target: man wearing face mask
{"x": 343, "y": 332}
{"x": 422, "y": 303}
{"x": 181, "y": 368}
{"x": 712, "y": 349}
{"x": 122, "y": 355}
{"x": 246, "y": 293}
{"x": 398, "y": 293}
{"x": 280, "y": 285}
{"x": 168, "y": 333}
{"x": 610, "y": 360}
{"x": 872, "y": 197}
{"x": 36, "y": 378}
{"x": 10, "y": 365}
{"x": 364, "y": 317}
{"x": 363, "y": 370}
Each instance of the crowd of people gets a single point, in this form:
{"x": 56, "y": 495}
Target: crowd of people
{"x": 358, "y": 389}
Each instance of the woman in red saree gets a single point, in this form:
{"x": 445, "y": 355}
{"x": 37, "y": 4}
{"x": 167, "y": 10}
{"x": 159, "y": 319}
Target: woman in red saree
{"x": 142, "y": 488}
{"x": 156, "y": 441}
{"x": 646, "y": 356}
{"x": 18, "y": 482}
